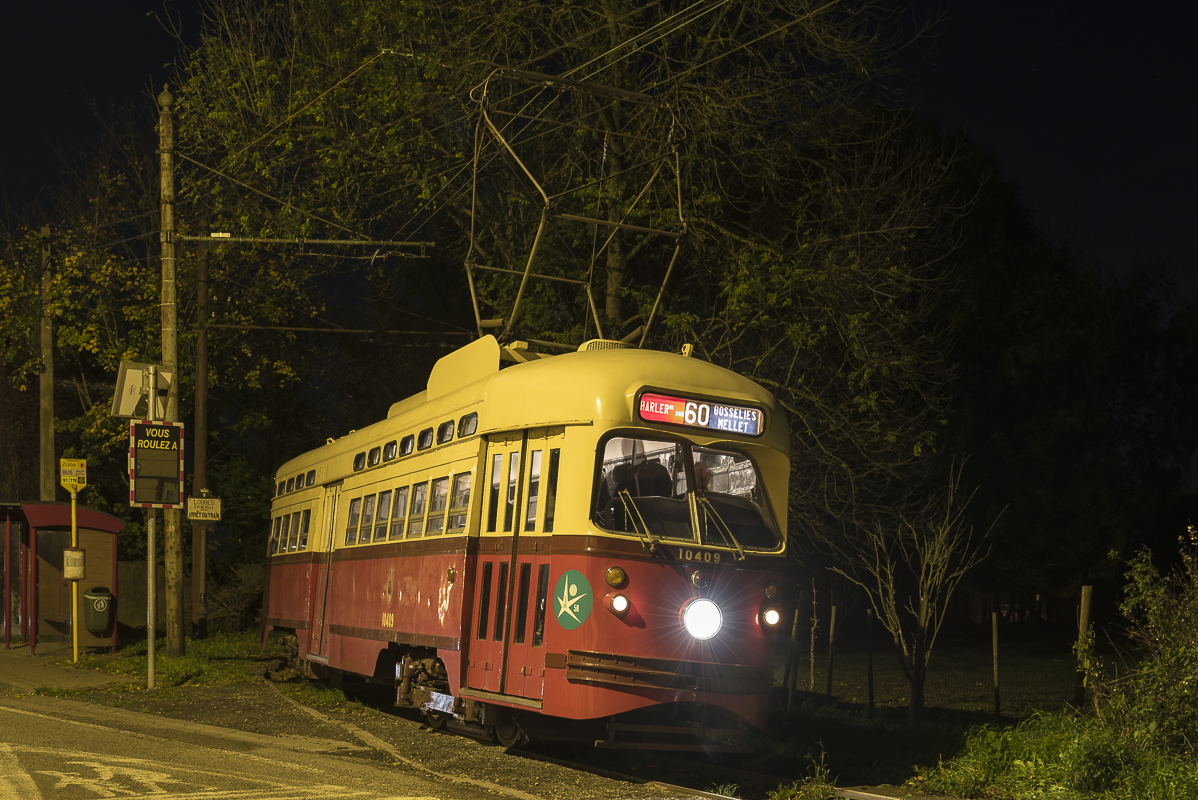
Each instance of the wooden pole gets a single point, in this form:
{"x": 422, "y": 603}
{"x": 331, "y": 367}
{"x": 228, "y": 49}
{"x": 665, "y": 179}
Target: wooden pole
{"x": 1083, "y": 630}
{"x": 869, "y": 659}
{"x": 831, "y": 648}
{"x": 199, "y": 483}
{"x": 994, "y": 648}
{"x": 172, "y": 529}
{"x": 48, "y": 481}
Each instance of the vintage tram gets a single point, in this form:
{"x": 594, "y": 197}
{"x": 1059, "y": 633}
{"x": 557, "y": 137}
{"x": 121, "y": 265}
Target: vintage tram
{"x": 592, "y": 536}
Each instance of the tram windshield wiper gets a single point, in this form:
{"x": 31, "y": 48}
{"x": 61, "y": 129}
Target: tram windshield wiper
{"x": 721, "y": 526}
{"x": 634, "y": 514}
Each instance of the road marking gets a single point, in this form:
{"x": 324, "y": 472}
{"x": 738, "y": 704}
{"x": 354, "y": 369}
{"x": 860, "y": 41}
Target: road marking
{"x": 13, "y": 782}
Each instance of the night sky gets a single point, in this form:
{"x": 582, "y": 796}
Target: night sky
{"x": 1091, "y": 108}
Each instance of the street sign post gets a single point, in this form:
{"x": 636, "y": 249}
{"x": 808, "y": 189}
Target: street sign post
{"x": 203, "y": 509}
{"x": 72, "y": 474}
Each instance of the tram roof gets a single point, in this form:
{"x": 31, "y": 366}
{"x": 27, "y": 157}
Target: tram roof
{"x": 600, "y": 383}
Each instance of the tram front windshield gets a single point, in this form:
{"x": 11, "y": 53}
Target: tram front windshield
{"x": 649, "y": 487}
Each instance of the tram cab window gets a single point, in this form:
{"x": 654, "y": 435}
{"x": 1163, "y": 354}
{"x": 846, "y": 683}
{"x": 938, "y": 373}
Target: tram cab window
{"x": 374, "y": 457}
{"x": 459, "y": 501}
{"x": 444, "y": 432}
{"x": 416, "y": 513}
{"x": 468, "y": 424}
{"x": 399, "y": 513}
{"x": 351, "y": 527}
{"x": 426, "y": 439}
{"x": 438, "y": 502}
{"x": 390, "y": 450}
{"x": 649, "y": 471}
{"x": 406, "y": 444}
{"x": 734, "y": 500}
{"x": 383, "y": 517}
{"x": 367, "y": 520}
{"x": 660, "y": 481}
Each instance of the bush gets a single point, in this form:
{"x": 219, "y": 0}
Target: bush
{"x": 1155, "y": 703}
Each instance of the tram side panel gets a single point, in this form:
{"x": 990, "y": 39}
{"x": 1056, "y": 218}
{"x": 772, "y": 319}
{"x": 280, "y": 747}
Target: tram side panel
{"x": 407, "y": 585}
{"x": 290, "y": 567}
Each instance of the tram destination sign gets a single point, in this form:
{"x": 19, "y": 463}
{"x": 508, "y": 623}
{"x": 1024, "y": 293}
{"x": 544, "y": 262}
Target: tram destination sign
{"x": 694, "y": 413}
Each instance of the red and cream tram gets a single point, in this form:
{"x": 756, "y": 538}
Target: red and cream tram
{"x": 574, "y": 537}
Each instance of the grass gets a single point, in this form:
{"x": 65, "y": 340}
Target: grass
{"x": 219, "y": 659}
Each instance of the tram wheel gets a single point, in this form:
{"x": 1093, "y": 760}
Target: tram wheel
{"x": 436, "y": 720}
{"x": 511, "y": 736}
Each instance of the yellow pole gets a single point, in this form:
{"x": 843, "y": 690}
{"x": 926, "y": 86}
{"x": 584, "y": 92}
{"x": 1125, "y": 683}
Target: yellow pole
{"x": 74, "y": 587}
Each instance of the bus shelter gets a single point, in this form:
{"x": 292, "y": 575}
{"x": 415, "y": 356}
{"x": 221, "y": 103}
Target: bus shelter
{"x": 42, "y": 533}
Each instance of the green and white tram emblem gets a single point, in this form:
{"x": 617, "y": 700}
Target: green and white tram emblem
{"x": 573, "y": 598}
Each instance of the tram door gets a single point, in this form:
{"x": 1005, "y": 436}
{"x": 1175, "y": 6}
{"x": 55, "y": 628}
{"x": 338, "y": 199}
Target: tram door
{"x": 320, "y": 586}
{"x": 506, "y": 646}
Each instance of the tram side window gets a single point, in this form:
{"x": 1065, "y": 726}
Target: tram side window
{"x": 406, "y": 444}
{"x": 383, "y": 517}
{"x": 351, "y": 528}
{"x": 416, "y": 514}
{"x": 303, "y": 531}
{"x": 521, "y": 621}
{"x": 538, "y": 627}
{"x": 493, "y": 504}
{"x": 468, "y": 424}
{"x": 374, "y": 457}
{"x": 551, "y": 489}
{"x": 288, "y": 545}
{"x": 274, "y": 537}
{"x": 437, "y": 505}
{"x": 367, "y": 520}
{"x": 310, "y": 478}
{"x": 291, "y": 484}
{"x": 534, "y": 488}
{"x": 426, "y": 439}
{"x": 500, "y": 601}
{"x": 459, "y": 501}
{"x": 513, "y": 478}
{"x": 299, "y": 481}
{"x": 390, "y": 450}
{"x": 359, "y": 462}
{"x": 400, "y": 507}
{"x": 283, "y": 528}
{"x": 444, "y": 432}
{"x": 282, "y": 487}
{"x": 484, "y": 603}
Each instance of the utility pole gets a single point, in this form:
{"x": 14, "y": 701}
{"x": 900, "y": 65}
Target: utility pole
{"x": 199, "y": 483}
{"x": 48, "y": 481}
{"x": 173, "y": 535}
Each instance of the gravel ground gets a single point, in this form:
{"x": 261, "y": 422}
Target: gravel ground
{"x": 407, "y": 744}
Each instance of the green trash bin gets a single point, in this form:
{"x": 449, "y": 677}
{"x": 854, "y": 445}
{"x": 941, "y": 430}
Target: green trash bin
{"x": 97, "y": 610}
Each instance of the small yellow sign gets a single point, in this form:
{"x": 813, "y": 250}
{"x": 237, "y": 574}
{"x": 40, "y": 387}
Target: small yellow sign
{"x": 72, "y": 473}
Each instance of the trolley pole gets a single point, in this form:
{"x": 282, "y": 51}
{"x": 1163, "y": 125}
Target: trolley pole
{"x": 173, "y": 534}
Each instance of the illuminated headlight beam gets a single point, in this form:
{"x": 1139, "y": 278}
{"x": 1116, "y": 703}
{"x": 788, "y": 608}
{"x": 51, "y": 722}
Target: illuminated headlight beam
{"x": 701, "y": 618}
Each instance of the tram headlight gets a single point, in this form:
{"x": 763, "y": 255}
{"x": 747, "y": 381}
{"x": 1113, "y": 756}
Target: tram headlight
{"x": 771, "y": 617}
{"x": 701, "y": 618}
{"x": 617, "y": 604}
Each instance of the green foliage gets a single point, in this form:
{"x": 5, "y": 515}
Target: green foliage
{"x": 222, "y": 658}
{"x": 1155, "y": 704}
{"x": 819, "y": 785}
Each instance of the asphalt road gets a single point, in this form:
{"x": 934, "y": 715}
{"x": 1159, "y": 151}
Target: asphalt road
{"x": 57, "y": 749}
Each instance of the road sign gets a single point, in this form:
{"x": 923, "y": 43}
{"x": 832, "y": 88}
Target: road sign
{"x": 72, "y": 473}
{"x": 203, "y": 509}
{"x": 156, "y": 464}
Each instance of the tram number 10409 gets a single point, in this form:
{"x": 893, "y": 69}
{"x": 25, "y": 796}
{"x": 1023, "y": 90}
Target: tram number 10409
{"x": 705, "y": 556}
